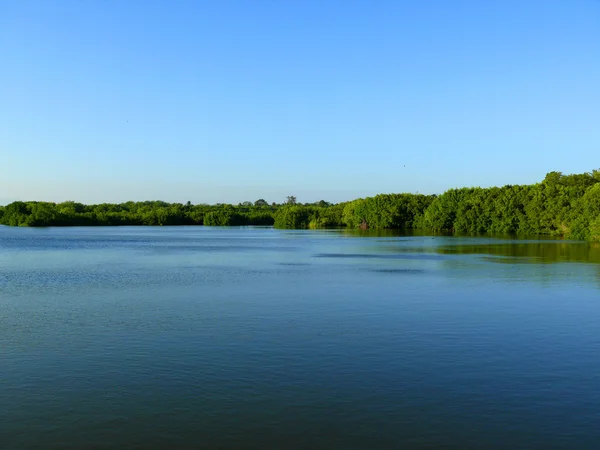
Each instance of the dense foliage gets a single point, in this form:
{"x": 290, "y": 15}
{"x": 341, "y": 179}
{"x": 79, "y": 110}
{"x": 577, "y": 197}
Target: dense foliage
{"x": 562, "y": 205}
{"x": 309, "y": 216}
{"x": 133, "y": 213}
{"x": 387, "y": 211}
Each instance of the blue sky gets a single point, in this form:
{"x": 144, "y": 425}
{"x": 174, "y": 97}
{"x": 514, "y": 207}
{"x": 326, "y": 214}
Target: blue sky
{"x": 227, "y": 101}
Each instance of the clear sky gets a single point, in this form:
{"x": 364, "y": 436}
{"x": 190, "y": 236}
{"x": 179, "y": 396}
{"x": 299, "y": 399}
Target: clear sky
{"x": 227, "y": 101}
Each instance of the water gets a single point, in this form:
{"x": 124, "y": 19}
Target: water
{"x": 258, "y": 338}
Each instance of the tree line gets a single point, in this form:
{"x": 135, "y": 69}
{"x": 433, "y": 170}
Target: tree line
{"x": 560, "y": 205}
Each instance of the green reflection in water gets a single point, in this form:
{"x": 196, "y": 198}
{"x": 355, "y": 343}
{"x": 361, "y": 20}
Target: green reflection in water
{"x": 500, "y": 249}
{"x": 539, "y": 259}
{"x": 540, "y": 252}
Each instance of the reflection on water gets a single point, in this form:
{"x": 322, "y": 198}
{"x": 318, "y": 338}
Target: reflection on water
{"x": 545, "y": 252}
{"x": 192, "y": 337}
{"x": 525, "y": 260}
{"x": 400, "y": 271}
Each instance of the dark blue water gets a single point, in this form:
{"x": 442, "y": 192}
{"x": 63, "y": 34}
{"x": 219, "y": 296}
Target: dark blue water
{"x": 257, "y": 338}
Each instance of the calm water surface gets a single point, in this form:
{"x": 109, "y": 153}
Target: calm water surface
{"x": 258, "y": 338}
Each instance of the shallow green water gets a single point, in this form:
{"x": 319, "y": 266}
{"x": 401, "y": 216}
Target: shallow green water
{"x": 260, "y": 338}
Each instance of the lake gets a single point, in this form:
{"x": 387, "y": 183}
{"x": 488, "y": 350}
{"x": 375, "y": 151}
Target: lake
{"x": 227, "y": 338}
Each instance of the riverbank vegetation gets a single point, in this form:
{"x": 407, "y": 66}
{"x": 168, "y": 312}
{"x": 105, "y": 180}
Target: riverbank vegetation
{"x": 560, "y": 205}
